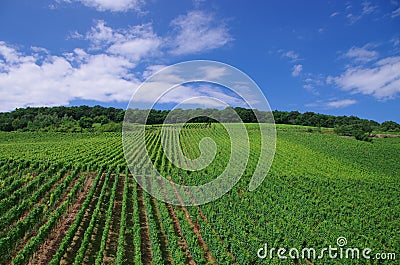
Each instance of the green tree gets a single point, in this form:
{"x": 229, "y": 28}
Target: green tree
{"x": 388, "y": 126}
{"x": 360, "y": 130}
{"x": 85, "y": 122}
{"x": 102, "y": 119}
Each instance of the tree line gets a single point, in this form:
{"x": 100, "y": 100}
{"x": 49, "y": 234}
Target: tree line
{"x": 98, "y": 118}
{"x": 62, "y": 119}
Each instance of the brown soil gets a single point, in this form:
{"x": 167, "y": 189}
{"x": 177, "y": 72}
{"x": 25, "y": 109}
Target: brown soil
{"x": 129, "y": 253}
{"x": 26, "y": 183}
{"x": 147, "y": 256}
{"x": 110, "y": 252}
{"x": 33, "y": 233}
{"x": 69, "y": 256}
{"x": 40, "y": 202}
{"x": 385, "y": 135}
{"x": 50, "y": 246}
{"x": 196, "y": 230}
{"x": 177, "y": 228}
{"x": 197, "y": 226}
{"x": 95, "y": 240}
{"x": 160, "y": 232}
{"x": 178, "y": 232}
{"x": 309, "y": 262}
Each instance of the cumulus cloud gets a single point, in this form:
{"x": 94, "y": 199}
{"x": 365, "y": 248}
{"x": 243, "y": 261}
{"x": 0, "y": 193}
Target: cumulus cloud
{"x": 196, "y": 32}
{"x": 134, "y": 43}
{"x": 381, "y": 80}
{"x": 110, "y": 5}
{"x": 9, "y": 54}
{"x": 297, "y": 69}
{"x": 192, "y": 33}
{"x": 108, "y": 69}
{"x": 189, "y": 95}
{"x": 48, "y": 80}
{"x": 213, "y": 73}
{"x": 38, "y": 78}
{"x": 179, "y": 83}
{"x": 152, "y": 69}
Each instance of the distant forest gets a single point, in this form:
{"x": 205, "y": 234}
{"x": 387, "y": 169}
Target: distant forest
{"x": 97, "y": 118}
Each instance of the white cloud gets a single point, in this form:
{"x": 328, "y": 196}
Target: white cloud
{"x": 193, "y": 33}
{"x": 308, "y": 87}
{"x": 297, "y": 69}
{"x": 396, "y": 13}
{"x": 166, "y": 91}
{"x": 353, "y": 18}
{"x": 395, "y": 41}
{"x": 39, "y": 50}
{"x": 292, "y": 55}
{"x": 106, "y": 71}
{"x": 75, "y": 35}
{"x": 341, "y": 103}
{"x": 207, "y": 95}
{"x": 332, "y": 103}
{"x": 361, "y": 54}
{"x": 133, "y": 43}
{"x": 196, "y": 32}
{"x": 136, "y": 49}
{"x": 9, "y": 54}
{"x": 179, "y": 83}
{"x": 101, "y": 35}
{"x": 198, "y": 3}
{"x": 312, "y": 83}
{"x": 31, "y": 80}
{"x": 110, "y": 5}
{"x": 382, "y": 80}
{"x": 368, "y": 8}
{"x": 152, "y": 69}
{"x": 213, "y": 73}
{"x": 334, "y": 14}
{"x": 213, "y": 92}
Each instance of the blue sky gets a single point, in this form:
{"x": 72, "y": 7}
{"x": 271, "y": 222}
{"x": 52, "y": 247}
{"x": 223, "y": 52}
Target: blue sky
{"x": 333, "y": 57}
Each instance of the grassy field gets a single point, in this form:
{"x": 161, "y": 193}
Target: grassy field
{"x": 70, "y": 199}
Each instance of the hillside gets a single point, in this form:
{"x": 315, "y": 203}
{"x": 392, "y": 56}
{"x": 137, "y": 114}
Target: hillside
{"x": 88, "y": 206}
{"x": 97, "y": 118}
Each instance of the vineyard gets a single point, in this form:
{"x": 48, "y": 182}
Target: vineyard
{"x": 71, "y": 199}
